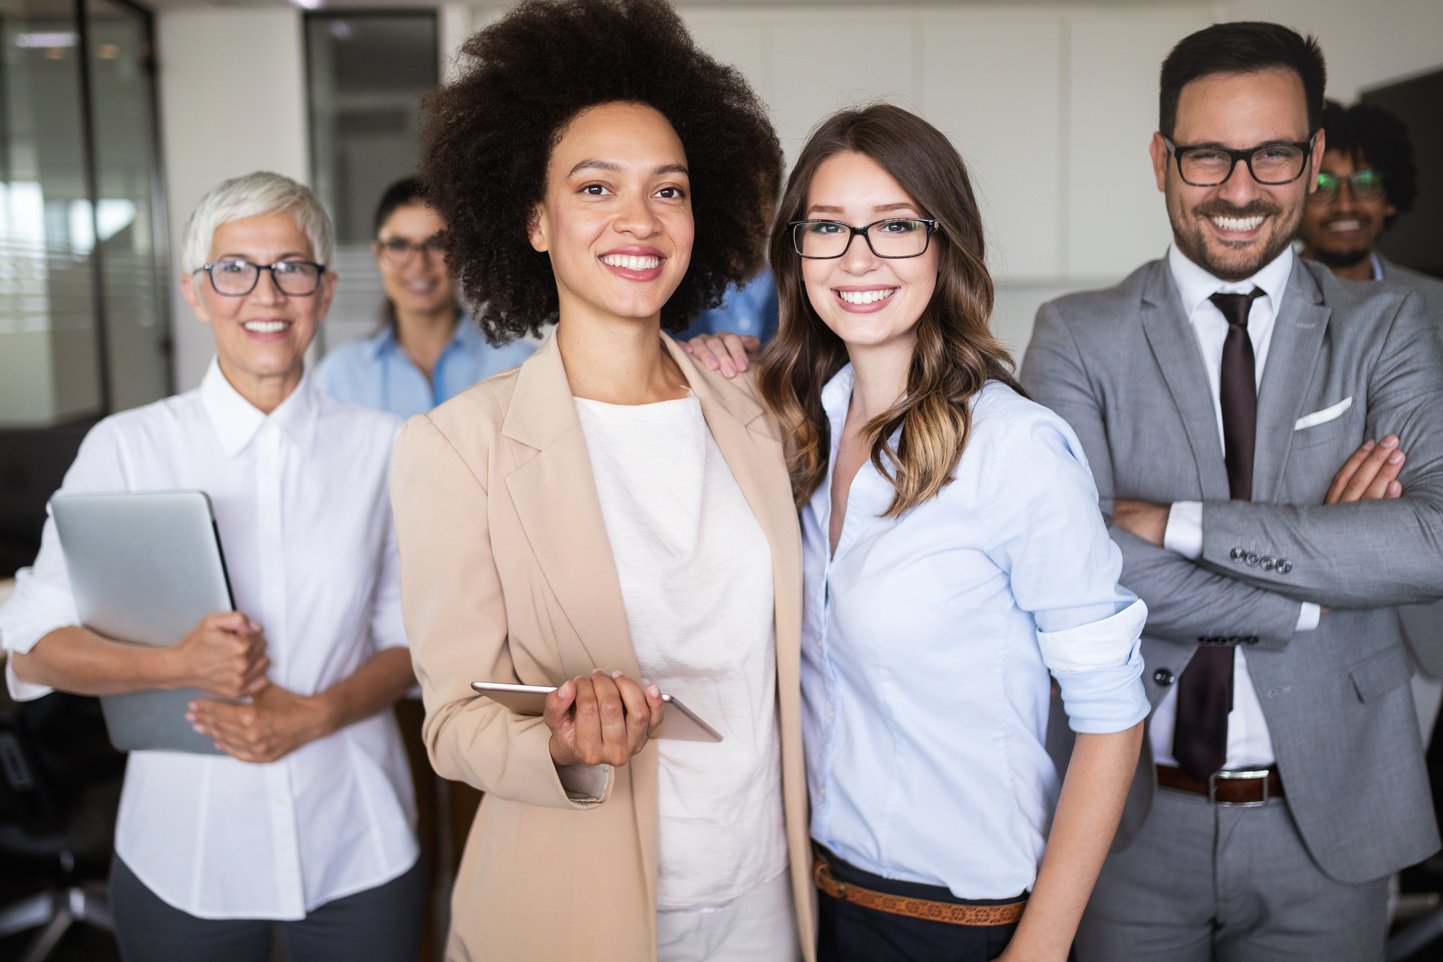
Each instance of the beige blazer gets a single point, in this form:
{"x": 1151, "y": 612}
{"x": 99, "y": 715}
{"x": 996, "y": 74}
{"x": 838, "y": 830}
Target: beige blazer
{"x": 506, "y": 574}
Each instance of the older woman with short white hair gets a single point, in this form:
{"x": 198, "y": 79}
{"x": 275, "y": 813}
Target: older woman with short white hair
{"x": 305, "y": 823}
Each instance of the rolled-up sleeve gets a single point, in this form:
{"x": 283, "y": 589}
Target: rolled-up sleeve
{"x": 1064, "y": 569}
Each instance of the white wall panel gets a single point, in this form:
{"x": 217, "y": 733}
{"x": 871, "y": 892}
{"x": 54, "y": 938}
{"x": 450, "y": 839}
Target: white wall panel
{"x": 209, "y": 57}
{"x": 1115, "y": 218}
{"x": 1003, "y": 112}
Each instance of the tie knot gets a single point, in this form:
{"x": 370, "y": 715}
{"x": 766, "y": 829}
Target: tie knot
{"x": 1235, "y": 307}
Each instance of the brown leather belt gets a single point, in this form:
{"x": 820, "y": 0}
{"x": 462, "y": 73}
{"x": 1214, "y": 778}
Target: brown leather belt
{"x": 1247, "y": 788}
{"x": 914, "y": 908}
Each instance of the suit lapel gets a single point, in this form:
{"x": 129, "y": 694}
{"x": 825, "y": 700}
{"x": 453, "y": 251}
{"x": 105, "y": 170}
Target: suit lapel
{"x": 1174, "y": 345}
{"x": 554, "y": 493}
{"x": 1292, "y": 355}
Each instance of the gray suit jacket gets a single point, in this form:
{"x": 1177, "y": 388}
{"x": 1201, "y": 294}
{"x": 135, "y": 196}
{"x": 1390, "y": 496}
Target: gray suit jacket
{"x": 1123, "y": 367}
{"x": 1422, "y": 624}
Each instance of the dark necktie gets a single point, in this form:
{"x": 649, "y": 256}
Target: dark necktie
{"x": 1205, "y": 690}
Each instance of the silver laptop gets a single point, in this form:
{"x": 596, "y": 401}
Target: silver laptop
{"x": 145, "y": 567}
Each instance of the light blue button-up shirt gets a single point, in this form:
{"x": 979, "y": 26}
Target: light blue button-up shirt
{"x": 927, "y": 646}
{"x": 377, "y": 372}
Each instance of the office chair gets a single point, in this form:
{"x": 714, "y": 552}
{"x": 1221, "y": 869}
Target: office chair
{"x": 59, "y": 792}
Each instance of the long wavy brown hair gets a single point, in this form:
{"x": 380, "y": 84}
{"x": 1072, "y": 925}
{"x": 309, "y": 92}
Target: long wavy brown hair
{"x": 955, "y": 352}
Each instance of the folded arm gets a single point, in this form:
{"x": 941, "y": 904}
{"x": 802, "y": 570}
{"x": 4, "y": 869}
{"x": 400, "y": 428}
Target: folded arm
{"x": 1184, "y": 600}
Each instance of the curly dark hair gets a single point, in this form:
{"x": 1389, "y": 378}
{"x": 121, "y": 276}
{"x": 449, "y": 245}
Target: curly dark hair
{"x": 488, "y": 137}
{"x": 1369, "y": 135}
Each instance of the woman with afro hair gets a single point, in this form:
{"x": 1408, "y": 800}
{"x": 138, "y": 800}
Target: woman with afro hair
{"x": 609, "y": 518}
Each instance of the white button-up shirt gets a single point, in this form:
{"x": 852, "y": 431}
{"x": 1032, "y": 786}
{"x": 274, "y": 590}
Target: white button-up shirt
{"x": 301, "y": 500}
{"x": 1249, "y": 744}
{"x": 928, "y": 640}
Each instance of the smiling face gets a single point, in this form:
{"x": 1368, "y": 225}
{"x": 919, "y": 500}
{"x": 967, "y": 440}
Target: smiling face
{"x": 1344, "y": 232}
{"x": 869, "y": 302}
{"x": 1234, "y": 229}
{"x": 420, "y": 283}
{"x": 616, "y": 219}
{"x": 261, "y": 337}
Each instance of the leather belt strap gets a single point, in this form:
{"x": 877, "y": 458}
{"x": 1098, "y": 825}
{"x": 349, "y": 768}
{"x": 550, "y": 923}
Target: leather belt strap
{"x": 948, "y": 912}
{"x": 1226, "y": 788}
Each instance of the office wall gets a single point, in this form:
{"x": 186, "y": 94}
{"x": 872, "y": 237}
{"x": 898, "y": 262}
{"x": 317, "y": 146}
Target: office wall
{"x": 208, "y": 59}
{"x": 1051, "y": 105}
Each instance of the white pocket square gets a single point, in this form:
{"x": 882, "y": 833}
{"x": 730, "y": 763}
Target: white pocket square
{"x": 1325, "y": 415}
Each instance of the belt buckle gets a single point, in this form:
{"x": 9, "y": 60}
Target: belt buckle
{"x": 1246, "y": 774}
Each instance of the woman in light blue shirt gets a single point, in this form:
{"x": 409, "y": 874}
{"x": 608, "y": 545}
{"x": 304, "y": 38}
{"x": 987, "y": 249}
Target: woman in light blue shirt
{"x": 429, "y": 349}
{"x": 955, "y": 563}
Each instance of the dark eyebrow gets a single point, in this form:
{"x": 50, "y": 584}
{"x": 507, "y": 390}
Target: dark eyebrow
{"x": 880, "y": 208}
{"x": 612, "y": 166}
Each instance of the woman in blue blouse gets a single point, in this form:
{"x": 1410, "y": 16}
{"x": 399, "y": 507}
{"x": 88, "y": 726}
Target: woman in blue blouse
{"x": 955, "y": 563}
{"x": 429, "y": 349}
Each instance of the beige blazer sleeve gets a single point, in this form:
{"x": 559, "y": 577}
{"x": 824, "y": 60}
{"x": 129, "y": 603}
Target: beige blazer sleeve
{"x": 456, "y": 620}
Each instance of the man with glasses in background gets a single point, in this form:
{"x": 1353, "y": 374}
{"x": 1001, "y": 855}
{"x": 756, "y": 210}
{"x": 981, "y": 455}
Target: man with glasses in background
{"x": 1245, "y": 416}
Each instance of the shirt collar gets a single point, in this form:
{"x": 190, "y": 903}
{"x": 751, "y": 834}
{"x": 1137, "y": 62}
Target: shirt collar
{"x": 836, "y": 395}
{"x": 237, "y": 421}
{"x": 1195, "y": 284}
{"x": 467, "y": 334}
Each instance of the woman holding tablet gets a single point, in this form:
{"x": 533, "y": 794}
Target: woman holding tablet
{"x": 610, "y": 517}
{"x": 304, "y": 825}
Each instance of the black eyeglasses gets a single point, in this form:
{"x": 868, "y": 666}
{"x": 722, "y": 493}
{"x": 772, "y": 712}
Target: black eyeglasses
{"x": 1272, "y": 164}
{"x": 895, "y": 237}
{"x": 237, "y": 277}
{"x": 398, "y": 251}
{"x": 1364, "y": 185}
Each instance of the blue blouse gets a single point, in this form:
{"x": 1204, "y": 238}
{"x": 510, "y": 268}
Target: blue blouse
{"x": 927, "y": 645}
{"x": 377, "y": 372}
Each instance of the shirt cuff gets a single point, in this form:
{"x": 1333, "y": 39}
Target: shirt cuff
{"x": 585, "y": 783}
{"x": 1184, "y": 530}
{"x": 1098, "y": 667}
{"x": 1308, "y": 616}
{"x": 22, "y": 690}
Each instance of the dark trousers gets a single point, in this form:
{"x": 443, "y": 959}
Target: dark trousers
{"x": 850, "y": 933}
{"x": 382, "y": 924}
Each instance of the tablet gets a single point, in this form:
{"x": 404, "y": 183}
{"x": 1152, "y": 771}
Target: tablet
{"x": 678, "y": 721}
{"x": 145, "y": 567}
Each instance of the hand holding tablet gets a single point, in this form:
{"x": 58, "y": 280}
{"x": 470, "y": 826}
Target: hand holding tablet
{"x": 678, "y": 722}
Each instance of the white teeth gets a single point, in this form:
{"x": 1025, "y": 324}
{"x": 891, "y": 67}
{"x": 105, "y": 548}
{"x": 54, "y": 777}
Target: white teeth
{"x": 266, "y": 327}
{"x": 866, "y": 297}
{"x": 630, "y": 263}
{"x": 1341, "y": 225}
{"x": 1238, "y": 223}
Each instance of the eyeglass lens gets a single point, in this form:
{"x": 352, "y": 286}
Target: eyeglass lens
{"x": 895, "y": 237}
{"x": 1364, "y": 185}
{"x": 399, "y": 250}
{"x": 239, "y": 277}
{"x": 1270, "y": 164}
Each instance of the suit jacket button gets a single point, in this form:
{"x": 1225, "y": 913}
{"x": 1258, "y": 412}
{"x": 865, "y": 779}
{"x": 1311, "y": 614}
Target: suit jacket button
{"x": 1237, "y": 554}
{"x": 1284, "y": 566}
{"x": 1163, "y": 676}
{"x": 1269, "y": 562}
{"x": 1253, "y": 559}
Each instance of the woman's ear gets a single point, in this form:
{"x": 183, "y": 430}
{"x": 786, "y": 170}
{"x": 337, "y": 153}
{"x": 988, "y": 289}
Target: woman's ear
{"x": 536, "y": 230}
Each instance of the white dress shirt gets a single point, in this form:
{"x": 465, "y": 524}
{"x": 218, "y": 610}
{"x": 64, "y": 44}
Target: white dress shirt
{"x": 301, "y": 501}
{"x": 696, "y": 580}
{"x": 927, "y": 641}
{"x": 1248, "y": 742}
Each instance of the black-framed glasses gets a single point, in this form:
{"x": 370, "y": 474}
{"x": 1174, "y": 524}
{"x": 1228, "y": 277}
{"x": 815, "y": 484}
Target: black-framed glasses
{"x": 398, "y": 251}
{"x": 1363, "y": 184}
{"x": 894, "y": 237}
{"x": 237, "y": 277}
{"x": 1207, "y": 165}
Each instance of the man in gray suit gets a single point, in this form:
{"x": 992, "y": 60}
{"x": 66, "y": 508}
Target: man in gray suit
{"x": 1216, "y": 392}
{"x": 1367, "y": 181}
